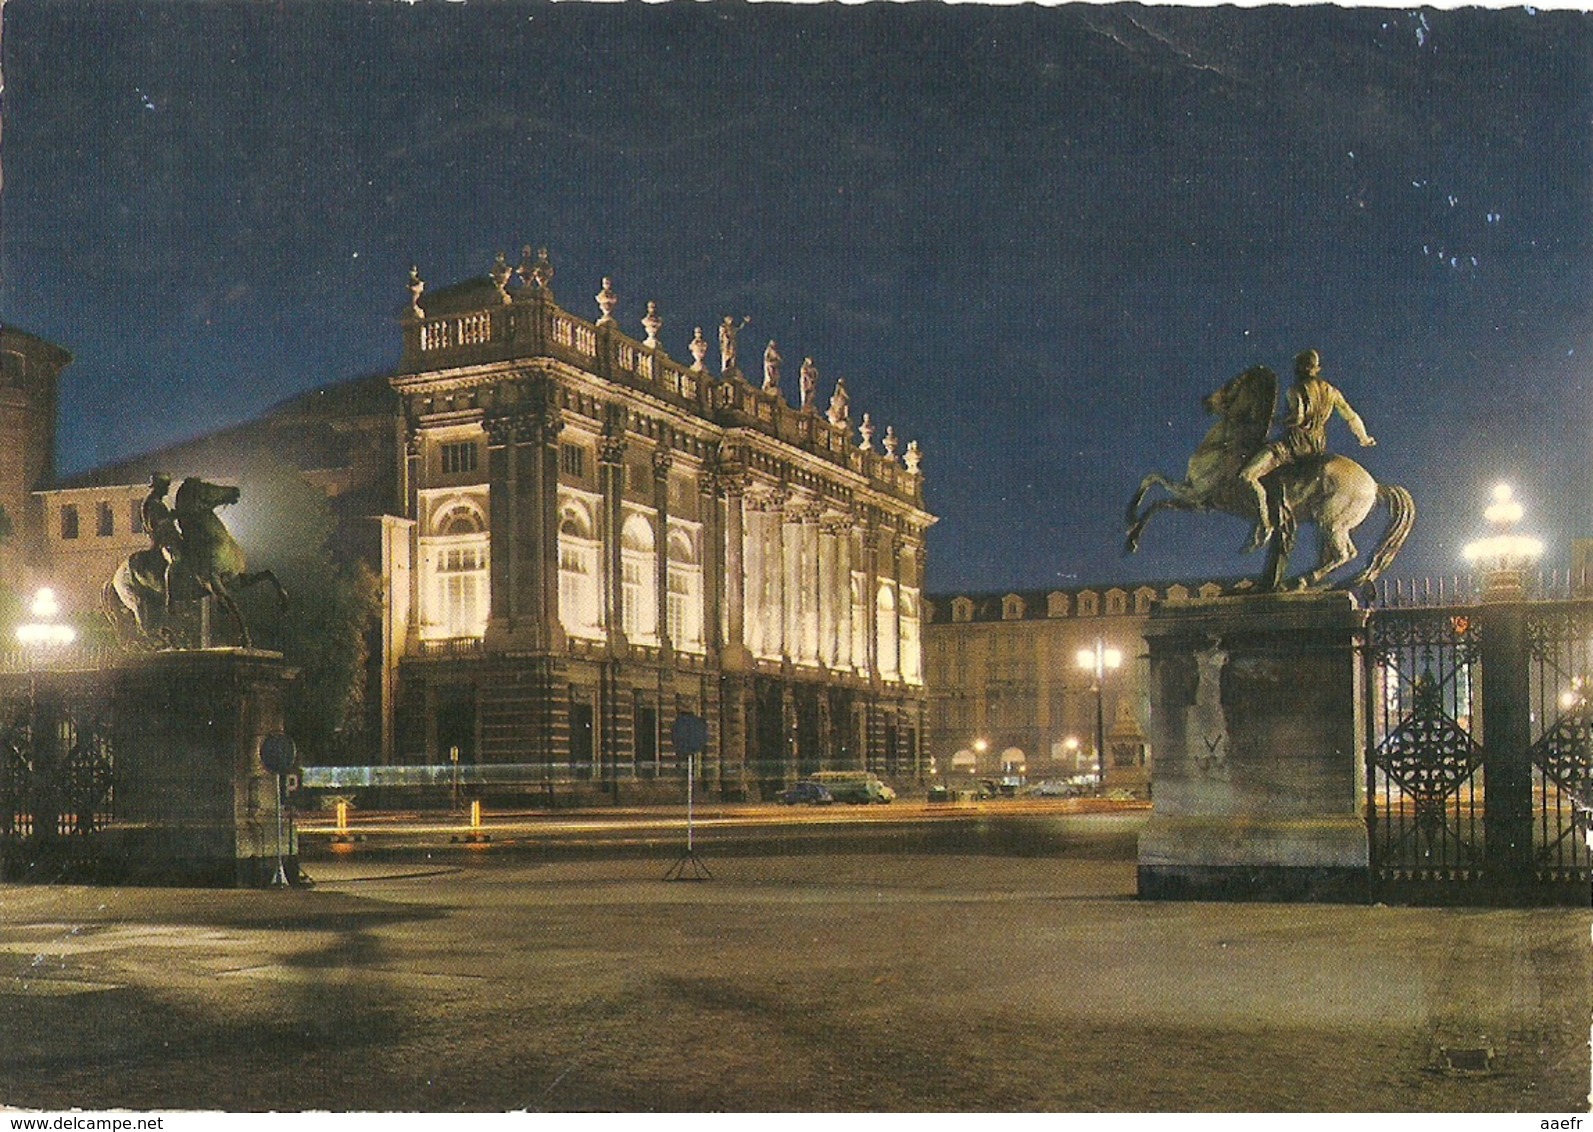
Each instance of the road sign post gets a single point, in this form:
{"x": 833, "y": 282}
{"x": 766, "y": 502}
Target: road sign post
{"x": 690, "y": 736}
{"x": 278, "y": 754}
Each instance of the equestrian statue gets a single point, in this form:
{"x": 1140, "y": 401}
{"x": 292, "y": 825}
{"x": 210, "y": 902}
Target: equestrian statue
{"x": 1284, "y": 483}
{"x": 191, "y": 556}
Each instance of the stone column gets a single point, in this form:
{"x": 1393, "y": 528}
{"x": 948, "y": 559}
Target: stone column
{"x": 611, "y": 482}
{"x": 846, "y": 545}
{"x": 715, "y": 583}
{"x": 756, "y": 581}
{"x": 502, "y": 515}
{"x": 828, "y": 592}
{"x": 545, "y": 499}
{"x": 663, "y": 460}
{"x": 412, "y": 450}
{"x": 894, "y": 550}
{"x": 735, "y": 656}
{"x": 1259, "y": 775}
{"x": 775, "y": 617}
{"x": 871, "y": 600}
{"x": 812, "y": 584}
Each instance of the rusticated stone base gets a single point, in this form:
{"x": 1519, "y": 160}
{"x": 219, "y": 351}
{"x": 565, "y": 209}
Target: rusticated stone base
{"x": 194, "y": 804}
{"x": 1258, "y": 771}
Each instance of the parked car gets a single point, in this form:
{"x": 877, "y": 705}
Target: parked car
{"x": 1056, "y": 788}
{"x": 859, "y": 787}
{"x": 807, "y": 794}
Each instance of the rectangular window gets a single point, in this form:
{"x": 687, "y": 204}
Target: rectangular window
{"x": 462, "y": 590}
{"x": 646, "y": 742}
{"x": 572, "y": 460}
{"x": 631, "y": 577}
{"x": 457, "y": 458}
{"x": 69, "y": 520}
{"x": 106, "y": 527}
{"x": 135, "y": 518}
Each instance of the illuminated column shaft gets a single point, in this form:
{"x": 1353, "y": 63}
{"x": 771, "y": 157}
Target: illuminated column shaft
{"x": 735, "y": 572}
{"x": 830, "y": 590}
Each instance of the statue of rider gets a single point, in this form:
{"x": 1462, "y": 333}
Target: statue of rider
{"x": 160, "y": 523}
{"x": 1311, "y": 404}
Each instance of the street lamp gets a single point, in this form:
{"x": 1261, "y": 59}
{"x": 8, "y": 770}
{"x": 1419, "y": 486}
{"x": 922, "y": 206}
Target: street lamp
{"x": 43, "y": 632}
{"x": 44, "y": 629}
{"x": 1503, "y": 556}
{"x": 1098, "y": 661}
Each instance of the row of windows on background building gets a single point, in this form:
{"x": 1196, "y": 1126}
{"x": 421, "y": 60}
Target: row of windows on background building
{"x": 104, "y": 520}
{"x": 464, "y": 457}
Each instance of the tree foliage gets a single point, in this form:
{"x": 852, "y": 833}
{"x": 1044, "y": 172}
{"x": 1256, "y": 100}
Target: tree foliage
{"x": 288, "y": 526}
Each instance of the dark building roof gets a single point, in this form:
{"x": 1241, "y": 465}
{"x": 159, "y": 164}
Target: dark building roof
{"x": 312, "y": 431}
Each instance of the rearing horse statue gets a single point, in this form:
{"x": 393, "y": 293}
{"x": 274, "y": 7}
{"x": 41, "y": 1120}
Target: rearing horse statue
{"x": 1332, "y": 492}
{"x": 206, "y": 562}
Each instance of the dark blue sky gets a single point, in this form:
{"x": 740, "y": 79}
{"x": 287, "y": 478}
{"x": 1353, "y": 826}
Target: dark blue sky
{"x": 1030, "y": 238}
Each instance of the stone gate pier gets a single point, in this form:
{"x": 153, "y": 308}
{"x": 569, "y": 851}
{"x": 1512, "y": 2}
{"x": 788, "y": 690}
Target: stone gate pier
{"x": 1259, "y": 778}
{"x": 194, "y": 803}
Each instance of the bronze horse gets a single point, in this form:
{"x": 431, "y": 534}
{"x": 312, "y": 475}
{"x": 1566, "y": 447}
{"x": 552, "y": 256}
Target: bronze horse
{"x": 1332, "y": 492}
{"x": 209, "y": 564}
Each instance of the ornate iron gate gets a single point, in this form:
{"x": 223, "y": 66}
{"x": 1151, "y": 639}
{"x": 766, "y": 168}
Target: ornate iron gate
{"x": 1478, "y": 760}
{"x": 1560, "y": 646}
{"x": 57, "y": 793}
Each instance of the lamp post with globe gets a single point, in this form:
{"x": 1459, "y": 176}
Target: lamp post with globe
{"x": 1098, "y": 661}
{"x": 38, "y": 638}
{"x": 1503, "y": 557}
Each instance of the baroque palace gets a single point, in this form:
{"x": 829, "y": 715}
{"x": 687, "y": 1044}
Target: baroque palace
{"x": 582, "y": 538}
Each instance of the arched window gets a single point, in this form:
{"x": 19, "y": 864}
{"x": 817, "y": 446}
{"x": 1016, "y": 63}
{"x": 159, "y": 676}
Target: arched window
{"x": 638, "y": 577}
{"x": 460, "y": 517}
{"x": 456, "y": 584}
{"x": 684, "y": 610}
{"x": 885, "y": 605}
{"x": 580, "y": 603}
{"x": 860, "y": 620}
{"x": 962, "y": 609}
{"x": 912, "y": 649}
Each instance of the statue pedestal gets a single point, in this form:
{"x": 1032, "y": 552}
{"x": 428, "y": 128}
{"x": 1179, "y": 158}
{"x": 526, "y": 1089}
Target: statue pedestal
{"x": 1258, "y": 776}
{"x": 194, "y": 804}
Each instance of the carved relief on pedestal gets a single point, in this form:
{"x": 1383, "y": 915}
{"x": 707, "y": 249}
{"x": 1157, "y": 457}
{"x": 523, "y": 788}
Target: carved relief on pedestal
{"x": 1205, "y": 722}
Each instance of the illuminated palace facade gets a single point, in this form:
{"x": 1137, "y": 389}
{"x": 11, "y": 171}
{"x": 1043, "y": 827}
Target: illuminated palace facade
{"x": 596, "y": 538}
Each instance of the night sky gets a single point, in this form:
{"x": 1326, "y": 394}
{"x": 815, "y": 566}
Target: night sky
{"x": 1031, "y": 238}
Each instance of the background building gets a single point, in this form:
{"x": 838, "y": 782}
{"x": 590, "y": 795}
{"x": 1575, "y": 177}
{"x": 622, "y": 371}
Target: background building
{"x": 1008, "y": 695}
{"x": 597, "y": 538}
{"x": 30, "y": 372}
{"x": 579, "y": 539}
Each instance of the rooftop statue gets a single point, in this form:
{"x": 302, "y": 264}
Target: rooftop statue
{"x": 191, "y": 556}
{"x": 501, "y": 274}
{"x": 840, "y": 404}
{"x": 809, "y": 376}
{"x": 727, "y": 343}
{"x": 1298, "y": 480}
{"x": 771, "y": 368}
{"x": 417, "y": 287}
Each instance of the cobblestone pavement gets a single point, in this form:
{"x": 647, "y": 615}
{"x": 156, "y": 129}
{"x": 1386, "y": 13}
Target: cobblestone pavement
{"x": 898, "y": 982}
